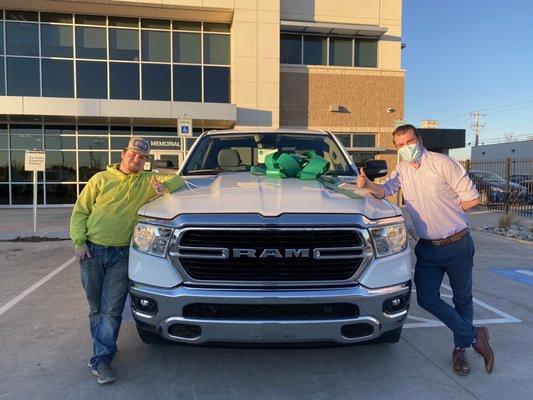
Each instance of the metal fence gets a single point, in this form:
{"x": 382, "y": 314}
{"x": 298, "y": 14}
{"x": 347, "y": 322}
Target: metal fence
{"x": 503, "y": 185}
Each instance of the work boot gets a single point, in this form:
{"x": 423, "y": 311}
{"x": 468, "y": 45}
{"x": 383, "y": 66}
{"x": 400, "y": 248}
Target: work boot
{"x": 93, "y": 370}
{"x": 105, "y": 373}
{"x": 482, "y": 347}
{"x": 460, "y": 362}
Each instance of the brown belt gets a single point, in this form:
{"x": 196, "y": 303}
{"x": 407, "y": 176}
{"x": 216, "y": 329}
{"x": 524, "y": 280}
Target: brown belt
{"x": 450, "y": 239}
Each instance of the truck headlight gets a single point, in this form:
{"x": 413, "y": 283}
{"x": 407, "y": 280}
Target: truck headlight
{"x": 151, "y": 239}
{"x": 390, "y": 239}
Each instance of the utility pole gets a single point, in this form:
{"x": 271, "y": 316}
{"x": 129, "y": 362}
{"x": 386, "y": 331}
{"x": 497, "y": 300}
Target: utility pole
{"x": 477, "y": 125}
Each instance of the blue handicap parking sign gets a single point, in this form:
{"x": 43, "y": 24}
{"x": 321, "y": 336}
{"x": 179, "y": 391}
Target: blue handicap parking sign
{"x": 524, "y": 275}
{"x": 185, "y": 129}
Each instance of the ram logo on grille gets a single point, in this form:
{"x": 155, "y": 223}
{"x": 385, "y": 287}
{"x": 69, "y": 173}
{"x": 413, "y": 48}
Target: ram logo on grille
{"x": 277, "y": 253}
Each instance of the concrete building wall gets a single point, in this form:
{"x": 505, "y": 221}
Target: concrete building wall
{"x": 498, "y": 151}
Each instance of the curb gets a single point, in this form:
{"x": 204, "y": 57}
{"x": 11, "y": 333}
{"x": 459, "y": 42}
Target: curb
{"x": 27, "y": 235}
{"x": 503, "y": 237}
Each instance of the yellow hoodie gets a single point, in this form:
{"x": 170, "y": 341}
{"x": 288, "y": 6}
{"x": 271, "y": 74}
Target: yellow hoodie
{"x": 106, "y": 209}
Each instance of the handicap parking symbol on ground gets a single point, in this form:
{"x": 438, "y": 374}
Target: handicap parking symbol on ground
{"x": 523, "y": 275}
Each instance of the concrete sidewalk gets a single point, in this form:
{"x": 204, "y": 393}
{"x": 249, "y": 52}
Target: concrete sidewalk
{"x": 18, "y": 223}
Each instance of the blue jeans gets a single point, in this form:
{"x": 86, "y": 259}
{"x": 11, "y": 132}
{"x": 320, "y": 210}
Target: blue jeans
{"x": 104, "y": 277}
{"x": 456, "y": 260}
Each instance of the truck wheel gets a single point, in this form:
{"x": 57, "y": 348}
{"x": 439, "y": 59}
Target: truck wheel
{"x": 392, "y": 336}
{"x": 149, "y": 337}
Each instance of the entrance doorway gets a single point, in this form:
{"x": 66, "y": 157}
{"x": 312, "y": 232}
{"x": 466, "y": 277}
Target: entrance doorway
{"x": 174, "y": 156}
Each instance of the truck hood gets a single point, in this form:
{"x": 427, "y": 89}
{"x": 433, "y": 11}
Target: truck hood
{"x": 243, "y": 192}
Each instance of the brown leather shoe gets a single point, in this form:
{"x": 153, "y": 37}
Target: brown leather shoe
{"x": 460, "y": 362}
{"x": 482, "y": 347}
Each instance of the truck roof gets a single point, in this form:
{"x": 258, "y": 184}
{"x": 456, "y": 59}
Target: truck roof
{"x": 264, "y": 130}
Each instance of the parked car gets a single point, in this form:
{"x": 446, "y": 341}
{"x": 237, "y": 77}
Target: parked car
{"x": 242, "y": 258}
{"x": 493, "y": 189}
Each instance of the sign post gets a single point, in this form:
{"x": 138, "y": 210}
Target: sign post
{"x": 184, "y": 131}
{"x": 34, "y": 160}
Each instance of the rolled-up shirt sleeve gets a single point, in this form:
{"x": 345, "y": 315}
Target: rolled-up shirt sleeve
{"x": 458, "y": 179}
{"x": 392, "y": 184}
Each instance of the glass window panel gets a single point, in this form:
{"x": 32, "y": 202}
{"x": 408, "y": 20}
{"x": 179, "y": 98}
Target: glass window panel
{"x": 120, "y": 130}
{"x": 56, "y": 41}
{"x": 216, "y": 85}
{"x": 115, "y": 157}
{"x": 291, "y": 49}
{"x": 22, "y": 39}
{"x": 93, "y": 142}
{"x": 4, "y": 166}
{"x": 1, "y": 39}
{"x": 25, "y": 129}
{"x": 93, "y": 130}
{"x": 91, "y": 79}
{"x": 364, "y": 140}
{"x": 91, "y": 162}
{"x": 28, "y": 142}
{"x": 344, "y": 139}
{"x": 119, "y": 143}
{"x": 61, "y": 194}
{"x": 155, "y": 46}
{"x": 153, "y": 131}
{"x": 4, "y": 194}
{"x": 366, "y": 53}
{"x": 90, "y": 42}
{"x": 186, "y": 25}
{"x": 23, "y": 77}
{"x": 124, "y": 81}
{"x": 187, "y": 47}
{"x": 56, "y": 17}
{"x": 187, "y": 83}
{"x": 2, "y": 76}
{"x": 124, "y": 44}
{"x": 90, "y": 19}
{"x": 216, "y": 49}
{"x": 16, "y": 15}
{"x": 340, "y": 51}
{"x": 315, "y": 50}
{"x": 23, "y": 194}
{"x": 155, "y": 23}
{"x": 60, "y": 166}
{"x": 3, "y": 137}
{"x": 59, "y": 142}
{"x": 59, "y": 130}
{"x": 156, "y": 82}
{"x": 18, "y": 174}
{"x": 58, "y": 78}
{"x": 214, "y": 27}
{"x": 124, "y": 21}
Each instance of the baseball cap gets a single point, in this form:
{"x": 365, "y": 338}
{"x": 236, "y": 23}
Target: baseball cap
{"x": 139, "y": 144}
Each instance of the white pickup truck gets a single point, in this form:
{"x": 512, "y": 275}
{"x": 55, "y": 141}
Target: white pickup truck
{"x": 242, "y": 258}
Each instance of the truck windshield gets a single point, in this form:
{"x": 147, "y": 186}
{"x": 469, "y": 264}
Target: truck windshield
{"x": 238, "y": 152}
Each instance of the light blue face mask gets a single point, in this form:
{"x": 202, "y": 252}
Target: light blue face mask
{"x": 410, "y": 152}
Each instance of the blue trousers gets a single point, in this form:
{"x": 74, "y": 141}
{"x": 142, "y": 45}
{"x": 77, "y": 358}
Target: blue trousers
{"x": 456, "y": 260}
{"x": 104, "y": 277}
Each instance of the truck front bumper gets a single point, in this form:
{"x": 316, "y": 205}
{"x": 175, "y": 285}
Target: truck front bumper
{"x": 162, "y": 312}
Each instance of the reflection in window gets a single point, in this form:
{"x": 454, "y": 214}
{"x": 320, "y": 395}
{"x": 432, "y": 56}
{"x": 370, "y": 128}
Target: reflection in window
{"x": 22, "y": 39}
{"x": 155, "y": 79}
{"x": 187, "y": 83}
{"x": 4, "y": 194}
{"x": 155, "y": 46}
{"x": 93, "y": 142}
{"x": 90, "y": 42}
{"x": 58, "y": 78}
{"x": 119, "y": 143}
{"x": 23, "y": 77}
{"x": 315, "y": 50}
{"x": 291, "y": 49}
{"x": 186, "y": 47}
{"x": 124, "y": 81}
{"x": 2, "y": 80}
{"x": 59, "y": 129}
{"x": 91, "y": 162}
{"x": 216, "y": 85}
{"x": 60, "y": 194}
{"x": 91, "y": 79}
{"x": 27, "y": 142}
{"x": 60, "y": 166}
{"x": 340, "y": 51}
{"x": 56, "y": 41}
{"x": 216, "y": 49}
{"x": 59, "y": 142}
{"x": 92, "y": 130}
{"x": 366, "y": 53}
{"x": 364, "y": 140}
{"x": 124, "y": 44}
{"x": 23, "y": 194}
{"x": 4, "y": 166}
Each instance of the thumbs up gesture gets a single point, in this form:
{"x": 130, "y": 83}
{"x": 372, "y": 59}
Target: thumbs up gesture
{"x": 158, "y": 186}
{"x": 362, "y": 180}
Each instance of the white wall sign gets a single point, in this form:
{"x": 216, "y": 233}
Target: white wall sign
{"x": 34, "y": 160}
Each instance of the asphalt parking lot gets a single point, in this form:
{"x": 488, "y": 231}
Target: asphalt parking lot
{"x": 44, "y": 344}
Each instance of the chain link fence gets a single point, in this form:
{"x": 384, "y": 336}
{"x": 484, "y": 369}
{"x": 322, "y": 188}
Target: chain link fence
{"x": 504, "y": 185}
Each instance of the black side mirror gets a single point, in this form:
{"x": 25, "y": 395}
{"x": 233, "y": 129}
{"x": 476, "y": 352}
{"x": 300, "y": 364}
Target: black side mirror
{"x": 376, "y": 169}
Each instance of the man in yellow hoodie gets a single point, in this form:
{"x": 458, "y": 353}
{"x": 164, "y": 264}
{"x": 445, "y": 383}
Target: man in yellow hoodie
{"x": 101, "y": 226}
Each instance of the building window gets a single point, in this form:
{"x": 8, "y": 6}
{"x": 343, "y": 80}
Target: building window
{"x": 328, "y": 50}
{"x": 98, "y": 57}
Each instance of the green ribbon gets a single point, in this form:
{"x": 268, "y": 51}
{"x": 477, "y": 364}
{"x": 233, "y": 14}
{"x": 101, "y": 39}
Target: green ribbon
{"x": 306, "y": 166}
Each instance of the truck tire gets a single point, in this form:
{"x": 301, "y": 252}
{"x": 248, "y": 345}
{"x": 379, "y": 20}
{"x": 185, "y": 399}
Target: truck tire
{"x": 148, "y": 337}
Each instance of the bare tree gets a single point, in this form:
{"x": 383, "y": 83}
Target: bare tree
{"x": 509, "y": 137}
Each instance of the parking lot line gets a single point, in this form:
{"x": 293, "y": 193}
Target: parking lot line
{"x": 35, "y": 286}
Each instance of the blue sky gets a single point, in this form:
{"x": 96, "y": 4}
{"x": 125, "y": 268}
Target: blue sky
{"x": 469, "y": 55}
